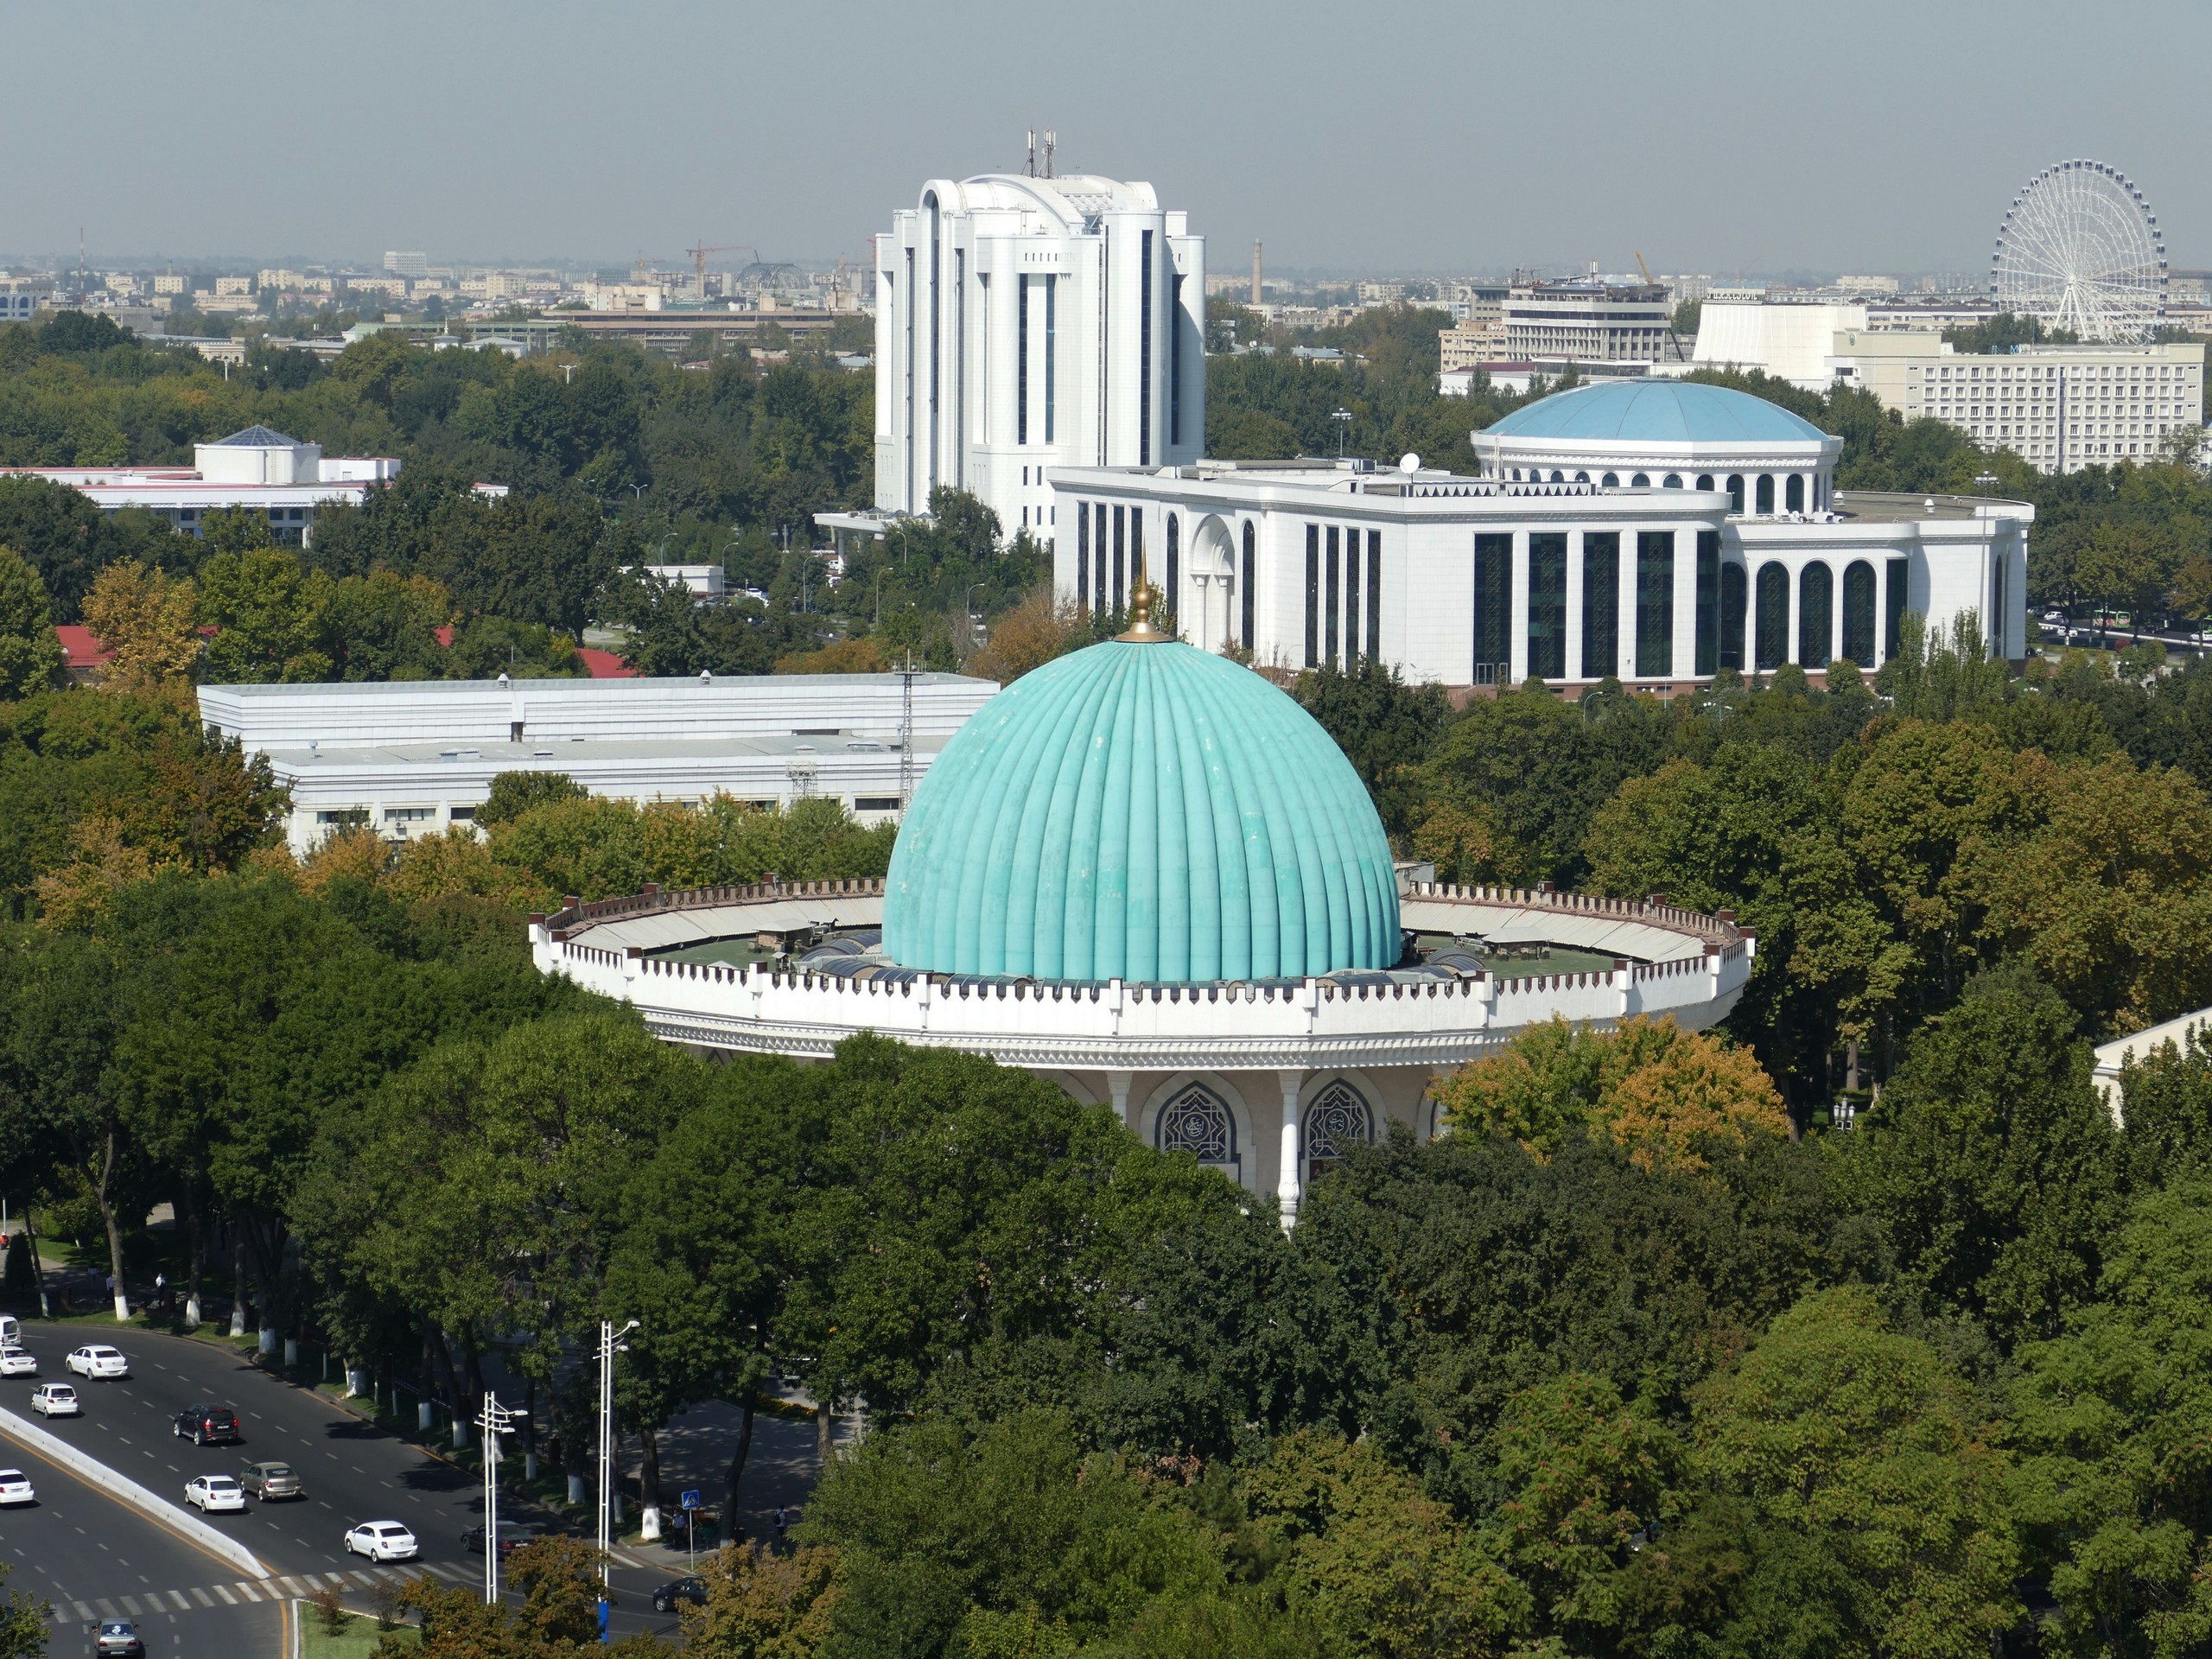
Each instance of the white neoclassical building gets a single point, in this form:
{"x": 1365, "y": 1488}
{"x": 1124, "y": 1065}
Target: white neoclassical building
{"x": 1025, "y": 323}
{"x": 1658, "y": 531}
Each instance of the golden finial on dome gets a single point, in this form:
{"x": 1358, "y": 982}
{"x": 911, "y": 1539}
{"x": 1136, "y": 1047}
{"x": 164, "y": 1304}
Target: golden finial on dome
{"x": 1140, "y": 631}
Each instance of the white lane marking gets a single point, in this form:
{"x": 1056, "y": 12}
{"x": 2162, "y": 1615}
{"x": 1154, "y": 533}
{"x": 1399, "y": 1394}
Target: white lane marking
{"x": 177, "y": 1596}
{"x": 204, "y": 1599}
{"x": 223, "y": 1594}
{"x": 83, "y": 1612}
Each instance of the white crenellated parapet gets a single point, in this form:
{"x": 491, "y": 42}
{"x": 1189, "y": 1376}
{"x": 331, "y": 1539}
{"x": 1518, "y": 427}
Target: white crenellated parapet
{"x": 1119, "y": 1028}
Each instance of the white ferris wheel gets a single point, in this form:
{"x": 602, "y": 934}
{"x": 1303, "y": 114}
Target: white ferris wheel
{"x": 2081, "y": 250}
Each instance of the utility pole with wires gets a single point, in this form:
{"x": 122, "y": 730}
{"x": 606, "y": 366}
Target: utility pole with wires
{"x": 906, "y": 736}
{"x": 494, "y": 1420}
{"x": 610, "y": 1344}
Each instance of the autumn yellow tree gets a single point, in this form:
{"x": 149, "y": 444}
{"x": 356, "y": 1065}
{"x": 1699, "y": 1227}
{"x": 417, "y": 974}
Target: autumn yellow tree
{"x": 1029, "y": 636}
{"x": 1674, "y": 1097}
{"x": 145, "y": 618}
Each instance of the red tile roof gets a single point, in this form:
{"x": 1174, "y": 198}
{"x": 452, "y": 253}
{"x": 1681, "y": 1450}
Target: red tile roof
{"x": 604, "y": 665}
{"x": 82, "y": 648}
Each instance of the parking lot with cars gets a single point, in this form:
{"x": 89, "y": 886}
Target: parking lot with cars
{"x": 316, "y": 1493}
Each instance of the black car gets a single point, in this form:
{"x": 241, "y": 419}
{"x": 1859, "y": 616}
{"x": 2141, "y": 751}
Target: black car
{"x": 513, "y": 1537}
{"x": 208, "y": 1425}
{"x": 666, "y": 1598}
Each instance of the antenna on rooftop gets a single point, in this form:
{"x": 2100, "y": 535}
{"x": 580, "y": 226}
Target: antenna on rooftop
{"x": 1052, "y": 138}
{"x": 1029, "y": 169}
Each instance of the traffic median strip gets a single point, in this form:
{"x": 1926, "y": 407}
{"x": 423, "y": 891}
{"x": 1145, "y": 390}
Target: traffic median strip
{"x": 93, "y": 1472}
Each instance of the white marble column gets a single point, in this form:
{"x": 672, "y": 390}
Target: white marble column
{"x": 1287, "y": 1186}
{"x": 1685, "y": 663}
{"x": 1517, "y": 647}
{"x": 1573, "y": 662}
{"x": 1118, "y": 1085}
{"x": 1625, "y": 629}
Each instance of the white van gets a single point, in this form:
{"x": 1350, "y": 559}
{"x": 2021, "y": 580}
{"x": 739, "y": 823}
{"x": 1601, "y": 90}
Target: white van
{"x": 11, "y": 1334}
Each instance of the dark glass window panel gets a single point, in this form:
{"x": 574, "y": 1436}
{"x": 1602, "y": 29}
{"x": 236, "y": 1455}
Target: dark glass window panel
{"x": 1493, "y": 609}
{"x": 1859, "y": 613}
{"x": 1601, "y": 605}
{"x": 1733, "y": 594}
{"x": 1815, "y": 615}
{"x": 1547, "y": 604}
{"x": 1708, "y": 601}
{"x": 1654, "y": 604}
{"x": 1772, "y": 632}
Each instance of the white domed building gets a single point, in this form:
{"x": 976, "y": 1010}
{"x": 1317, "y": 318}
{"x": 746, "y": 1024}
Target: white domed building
{"x": 1145, "y": 872}
{"x": 1658, "y": 531}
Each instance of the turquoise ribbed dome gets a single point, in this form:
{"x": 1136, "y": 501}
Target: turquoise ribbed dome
{"x": 1148, "y": 812}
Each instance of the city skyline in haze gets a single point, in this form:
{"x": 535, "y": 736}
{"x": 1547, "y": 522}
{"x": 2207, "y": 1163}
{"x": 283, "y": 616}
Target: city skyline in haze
{"x": 1716, "y": 137}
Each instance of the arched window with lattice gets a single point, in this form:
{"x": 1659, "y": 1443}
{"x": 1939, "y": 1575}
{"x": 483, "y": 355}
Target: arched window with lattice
{"x": 1338, "y": 1119}
{"x": 1196, "y": 1120}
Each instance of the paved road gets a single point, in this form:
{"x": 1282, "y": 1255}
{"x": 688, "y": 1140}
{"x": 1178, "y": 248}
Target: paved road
{"x": 351, "y": 1470}
{"x": 91, "y": 1558}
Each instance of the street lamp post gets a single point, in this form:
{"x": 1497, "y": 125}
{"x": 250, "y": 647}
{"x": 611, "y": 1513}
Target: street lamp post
{"x": 610, "y": 1344}
{"x": 495, "y": 1419}
{"x": 1343, "y": 418}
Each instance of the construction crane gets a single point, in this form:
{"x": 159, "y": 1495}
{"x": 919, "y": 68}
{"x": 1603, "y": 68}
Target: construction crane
{"x": 699, "y": 259}
{"x": 1680, "y": 356}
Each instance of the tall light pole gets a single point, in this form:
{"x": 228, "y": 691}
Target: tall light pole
{"x": 610, "y": 1344}
{"x": 1343, "y": 418}
{"x": 494, "y": 1420}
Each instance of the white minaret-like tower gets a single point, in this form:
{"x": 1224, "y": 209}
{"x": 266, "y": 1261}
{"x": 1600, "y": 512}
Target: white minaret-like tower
{"x": 1024, "y": 323}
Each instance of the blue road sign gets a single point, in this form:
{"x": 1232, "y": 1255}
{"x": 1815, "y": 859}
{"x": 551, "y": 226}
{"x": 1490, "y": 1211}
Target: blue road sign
{"x": 690, "y": 1500}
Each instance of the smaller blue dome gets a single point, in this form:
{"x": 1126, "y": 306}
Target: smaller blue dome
{"x": 1657, "y": 412}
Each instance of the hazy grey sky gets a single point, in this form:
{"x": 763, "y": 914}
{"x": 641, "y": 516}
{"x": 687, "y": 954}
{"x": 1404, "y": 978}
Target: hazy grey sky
{"x": 1714, "y": 135}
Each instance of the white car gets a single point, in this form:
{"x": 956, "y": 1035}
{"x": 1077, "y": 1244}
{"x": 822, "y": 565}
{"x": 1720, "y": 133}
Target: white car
{"x": 97, "y": 1359}
{"x": 208, "y": 1493}
{"x": 15, "y": 1487}
{"x": 18, "y": 1362}
{"x": 381, "y": 1541}
{"x": 56, "y": 1400}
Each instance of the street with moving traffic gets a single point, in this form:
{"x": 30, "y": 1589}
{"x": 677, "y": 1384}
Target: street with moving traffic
{"x": 92, "y": 1556}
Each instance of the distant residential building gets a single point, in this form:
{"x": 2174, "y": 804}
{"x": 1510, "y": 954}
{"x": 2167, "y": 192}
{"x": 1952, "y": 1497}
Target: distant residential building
{"x": 225, "y": 286}
{"x": 1867, "y": 285}
{"x": 259, "y": 470}
{"x": 170, "y": 283}
{"x": 1936, "y": 312}
{"x": 1589, "y": 319}
{"x": 1466, "y": 344}
{"x": 406, "y": 264}
{"x": 2059, "y": 408}
{"x": 21, "y": 296}
{"x": 1382, "y": 293}
{"x": 1026, "y": 323}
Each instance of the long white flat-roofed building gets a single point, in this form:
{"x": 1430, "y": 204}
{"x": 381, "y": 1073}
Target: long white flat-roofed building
{"x": 1024, "y": 323}
{"x": 259, "y": 470}
{"x": 418, "y": 757}
{"x": 1658, "y": 531}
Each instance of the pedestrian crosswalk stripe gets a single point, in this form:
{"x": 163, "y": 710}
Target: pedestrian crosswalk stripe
{"x": 205, "y": 1600}
{"x": 249, "y": 1592}
{"x": 177, "y": 1596}
{"x": 229, "y": 1600}
{"x": 107, "y": 1608}
{"x": 83, "y": 1612}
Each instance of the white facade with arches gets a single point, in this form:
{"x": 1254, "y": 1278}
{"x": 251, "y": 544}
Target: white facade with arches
{"x": 1024, "y": 323}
